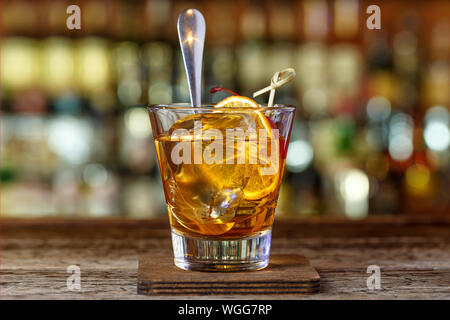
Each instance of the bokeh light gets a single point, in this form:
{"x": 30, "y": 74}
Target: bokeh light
{"x": 19, "y": 63}
{"x": 129, "y": 92}
{"x": 93, "y": 64}
{"x": 137, "y": 122}
{"x": 418, "y": 178}
{"x": 95, "y": 175}
{"x": 299, "y": 156}
{"x": 160, "y": 92}
{"x": 354, "y": 185}
{"x": 70, "y": 138}
{"x": 437, "y": 133}
{"x": 58, "y": 64}
{"x": 354, "y": 190}
{"x": 400, "y": 136}
{"x": 437, "y": 136}
{"x": 378, "y": 108}
{"x": 314, "y": 100}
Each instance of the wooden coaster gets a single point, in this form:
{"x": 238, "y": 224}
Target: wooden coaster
{"x": 286, "y": 274}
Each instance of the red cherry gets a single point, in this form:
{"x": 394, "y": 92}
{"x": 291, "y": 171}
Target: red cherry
{"x": 217, "y": 89}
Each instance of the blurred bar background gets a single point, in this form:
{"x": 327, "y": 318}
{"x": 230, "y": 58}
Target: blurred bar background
{"x": 372, "y": 128}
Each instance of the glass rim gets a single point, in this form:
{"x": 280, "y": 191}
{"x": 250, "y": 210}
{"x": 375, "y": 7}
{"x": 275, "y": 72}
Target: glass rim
{"x": 209, "y": 107}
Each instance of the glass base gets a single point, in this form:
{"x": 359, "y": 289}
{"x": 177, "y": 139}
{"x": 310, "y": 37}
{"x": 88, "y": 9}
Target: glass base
{"x": 215, "y": 254}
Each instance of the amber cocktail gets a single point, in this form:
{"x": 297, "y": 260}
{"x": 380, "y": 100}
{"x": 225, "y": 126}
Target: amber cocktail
{"x": 221, "y": 169}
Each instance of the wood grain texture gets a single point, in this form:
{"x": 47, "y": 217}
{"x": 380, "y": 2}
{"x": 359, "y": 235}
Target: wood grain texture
{"x": 286, "y": 274}
{"x": 412, "y": 252}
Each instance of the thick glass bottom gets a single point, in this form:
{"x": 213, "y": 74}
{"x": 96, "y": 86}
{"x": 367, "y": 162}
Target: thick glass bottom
{"x": 215, "y": 254}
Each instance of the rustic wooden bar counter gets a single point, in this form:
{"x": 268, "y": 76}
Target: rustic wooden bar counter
{"x": 412, "y": 252}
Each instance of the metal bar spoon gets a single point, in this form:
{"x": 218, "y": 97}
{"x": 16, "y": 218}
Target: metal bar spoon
{"x": 191, "y": 33}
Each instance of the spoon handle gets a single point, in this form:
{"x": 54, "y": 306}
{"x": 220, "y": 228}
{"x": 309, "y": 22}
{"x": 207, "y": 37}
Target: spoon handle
{"x": 191, "y": 33}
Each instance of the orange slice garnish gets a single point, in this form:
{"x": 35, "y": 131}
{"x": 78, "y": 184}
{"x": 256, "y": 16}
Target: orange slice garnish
{"x": 259, "y": 185}
{"x": 244, "y": 102}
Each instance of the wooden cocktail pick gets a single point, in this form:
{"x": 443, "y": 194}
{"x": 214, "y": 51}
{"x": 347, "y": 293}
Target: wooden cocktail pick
{"x": 278, "y": 79}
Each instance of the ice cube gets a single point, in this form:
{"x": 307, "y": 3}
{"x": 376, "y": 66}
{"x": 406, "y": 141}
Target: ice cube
{"x": 224, "y": 204}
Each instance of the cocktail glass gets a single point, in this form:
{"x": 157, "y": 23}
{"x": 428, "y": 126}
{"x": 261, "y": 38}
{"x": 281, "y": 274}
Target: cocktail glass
{"x": 221, "y": 170}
